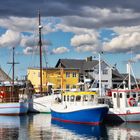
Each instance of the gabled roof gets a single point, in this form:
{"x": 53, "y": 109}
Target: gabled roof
{"x": 4, "y": 76}
{"x": 70, "y": 63}
{"x": 75, "y": 63}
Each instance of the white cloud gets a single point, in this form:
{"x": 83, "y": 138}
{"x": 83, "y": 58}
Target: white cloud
{"x": 137, "y": 57}
{"x": 10, "y": 39}
{"x": 85, "y": 42}
{"x": 28, "y": 51}
{"x": 124, "y": 43}
{"x": 124, "y": 30}
{"x": 60, "y": 50}
{"x": 30, "y": 25}
{"x": 76, "y": 30}
{"x": 32, "y": 41}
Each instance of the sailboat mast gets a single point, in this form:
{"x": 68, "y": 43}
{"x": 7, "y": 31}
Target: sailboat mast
{"x": 13, "y": 73}
{"x": 40, "y": 51}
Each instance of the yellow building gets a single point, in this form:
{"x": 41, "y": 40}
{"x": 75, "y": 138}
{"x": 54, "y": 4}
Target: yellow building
{"x": 56, "y": 78}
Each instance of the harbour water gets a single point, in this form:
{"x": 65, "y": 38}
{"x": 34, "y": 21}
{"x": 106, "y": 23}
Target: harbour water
{"x": 40, "y": 127}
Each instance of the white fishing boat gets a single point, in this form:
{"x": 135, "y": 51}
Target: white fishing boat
{"x": 79, "y": 107}
{"x": 13, "y": 101}
{"x": 42, "y": 104}
{"x": 124, "y": 103}
{"x": 125, "y": 106}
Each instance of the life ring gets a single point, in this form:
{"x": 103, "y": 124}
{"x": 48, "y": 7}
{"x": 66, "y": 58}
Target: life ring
{"x": 131, "y": 101}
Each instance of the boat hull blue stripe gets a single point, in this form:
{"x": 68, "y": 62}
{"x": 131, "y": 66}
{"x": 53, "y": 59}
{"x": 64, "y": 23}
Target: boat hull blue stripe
{"x": 88, "y": 116}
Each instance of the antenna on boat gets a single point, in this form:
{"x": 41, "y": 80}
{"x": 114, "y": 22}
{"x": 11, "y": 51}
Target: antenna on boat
{"x": 40, "y": 49}
{"x": 13, "y": 70}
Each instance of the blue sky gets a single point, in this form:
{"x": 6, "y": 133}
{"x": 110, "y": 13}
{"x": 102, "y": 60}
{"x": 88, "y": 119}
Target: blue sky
{"x": 71, "y": 29}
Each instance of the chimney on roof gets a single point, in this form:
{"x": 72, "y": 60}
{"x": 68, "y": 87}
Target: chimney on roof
{"x": 89, "y": 58}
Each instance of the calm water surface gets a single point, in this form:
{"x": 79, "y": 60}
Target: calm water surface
{"x": 40, "y": 127}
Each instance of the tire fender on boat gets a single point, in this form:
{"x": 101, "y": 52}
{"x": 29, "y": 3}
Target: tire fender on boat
{"x": 131, "y": 101}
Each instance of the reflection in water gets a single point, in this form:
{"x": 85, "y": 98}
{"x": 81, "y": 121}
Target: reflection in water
{"x": 10, "y": 127}
{"x": 40, "y": 127}
{"x": 124, "y": 131}
{"x": 85, "y": 131}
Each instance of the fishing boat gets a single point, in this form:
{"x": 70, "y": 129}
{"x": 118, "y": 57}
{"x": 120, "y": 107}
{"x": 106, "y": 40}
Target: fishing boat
{"x": 124, "y": 103}
{"x": 13, "y": 100}
{"x": 79, "y": 107}
{"x": 125, "y": 106}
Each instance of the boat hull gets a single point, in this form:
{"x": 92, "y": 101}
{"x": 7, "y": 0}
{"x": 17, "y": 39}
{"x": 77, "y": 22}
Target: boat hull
{"x": 16, "y": 108}
{"x": 93, "y": 116}
{"x": 41, "y": 104}
{"x": 133, "y": 117}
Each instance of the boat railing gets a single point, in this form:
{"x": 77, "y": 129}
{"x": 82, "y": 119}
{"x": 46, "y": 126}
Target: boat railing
{"x": 9, "y": 99}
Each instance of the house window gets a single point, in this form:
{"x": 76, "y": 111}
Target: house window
{"x": 67, "y": 86}
{"x": 105, "y": 71}
{"x": 74, "y": 74}
{"x": 74, "y": 86}
{"x": 67, "y": 74}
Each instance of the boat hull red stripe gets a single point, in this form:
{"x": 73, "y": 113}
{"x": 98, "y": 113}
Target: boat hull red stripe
{"x": 123, "y": 114}
{"x": 75, "y": 122}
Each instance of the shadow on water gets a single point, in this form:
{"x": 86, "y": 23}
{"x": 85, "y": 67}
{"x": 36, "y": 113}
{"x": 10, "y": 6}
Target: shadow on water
{"x": 85, "y": 131}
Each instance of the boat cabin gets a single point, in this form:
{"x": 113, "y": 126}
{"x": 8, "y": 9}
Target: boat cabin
{"x": 7, "y": 95}
{"x": 79, "y": 97}
{"x": 125, "y": 98}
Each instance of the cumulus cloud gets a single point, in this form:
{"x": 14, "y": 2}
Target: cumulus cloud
{"x": 28, "y": 51}
{"x": 32, "y": 41}
{"x": 10, "y": 39}
{"x": 60, "y": 50}
{"x": 137, "y": 57}
{"x": 85, "y": 43}
{"x": 123, "y": 43}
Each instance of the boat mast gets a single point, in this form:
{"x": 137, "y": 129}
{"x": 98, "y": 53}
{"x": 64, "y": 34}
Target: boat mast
{"x": 13, "y": 71}
{"x": 129, "y": 75}
{"x": 40, "y": 51}
{"x": 100, "y": 92}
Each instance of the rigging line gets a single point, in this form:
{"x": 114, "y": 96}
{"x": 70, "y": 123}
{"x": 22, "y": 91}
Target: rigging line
{"x": 134, "y": 76}
{"x": 10, "y": 70}
{"x": 122, "y": 82}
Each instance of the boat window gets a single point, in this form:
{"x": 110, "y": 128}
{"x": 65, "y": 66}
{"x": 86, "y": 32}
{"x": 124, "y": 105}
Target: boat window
{"x": 68, "y": 98}
{"x": 78, "y": 98}
{"x": 127, "y": 95}
{"x": 64, "y": 98}
{"x": 72, "y": 98}
{"x": 134, "y": 95}
{"x": 114, "y": 95}
{"x": 120, "y": 95}
{"x": 84, "y": 98}
{"x": 91, "y": 97}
